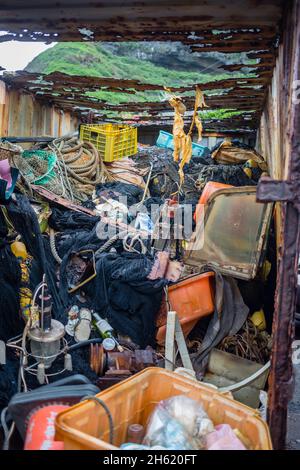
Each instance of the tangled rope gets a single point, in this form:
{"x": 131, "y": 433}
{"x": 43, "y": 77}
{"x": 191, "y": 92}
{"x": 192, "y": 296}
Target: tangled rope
{"x": 250, "y": 344}
{"x": 110, "y": 242}
{"x": 78, "y": 168}
{"x": 79, "y": 162}
{"x": 130, "y": 240}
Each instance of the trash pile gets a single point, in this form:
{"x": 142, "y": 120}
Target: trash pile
{"x": 180, "y": 423}
{"x": 95, "y": 258}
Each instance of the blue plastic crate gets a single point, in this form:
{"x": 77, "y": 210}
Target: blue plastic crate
{"x": 199, "y": 150}
{"x": 165, "y": 140}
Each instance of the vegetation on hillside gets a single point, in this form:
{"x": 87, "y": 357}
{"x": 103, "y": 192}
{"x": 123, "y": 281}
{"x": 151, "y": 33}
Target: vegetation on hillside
{"x": 107, "y": 60}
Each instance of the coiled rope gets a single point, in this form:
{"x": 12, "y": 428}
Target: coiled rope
{"x": 81, "y": 162}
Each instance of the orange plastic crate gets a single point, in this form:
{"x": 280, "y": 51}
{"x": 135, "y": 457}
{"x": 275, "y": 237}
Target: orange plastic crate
{"x": 85, "y": 426}
{"x": 192, "y": 299}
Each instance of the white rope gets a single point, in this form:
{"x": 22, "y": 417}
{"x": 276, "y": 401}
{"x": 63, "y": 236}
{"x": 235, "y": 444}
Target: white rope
{"x": 129, "y": 245}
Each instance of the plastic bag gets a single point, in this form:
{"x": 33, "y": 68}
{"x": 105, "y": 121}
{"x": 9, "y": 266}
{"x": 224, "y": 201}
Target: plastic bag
{"x": 168, "y": 432}
{"x": 263, "y": 397}
{"x": 178, "y": 423}
{"x": 190, "y": 414}
{"x": 5, "y": 172}
{"x": 143, "y": 222}
{"x": 223, "y": 438}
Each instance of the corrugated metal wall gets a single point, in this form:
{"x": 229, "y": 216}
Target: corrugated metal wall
{"x": 273, "y": 140}
{"x": 22, "y": 115}
{"x": 279, "y": 141}
{"x": 273, "y": 137}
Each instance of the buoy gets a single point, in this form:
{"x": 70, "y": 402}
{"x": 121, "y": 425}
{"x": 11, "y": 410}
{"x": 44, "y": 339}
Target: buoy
{"x": 41, "y": 429}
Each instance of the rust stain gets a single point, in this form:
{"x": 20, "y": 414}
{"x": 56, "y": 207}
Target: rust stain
{"x": 71, "y": 93}
{"x": 207, "y": 27}
{"x": 280, "y": 140}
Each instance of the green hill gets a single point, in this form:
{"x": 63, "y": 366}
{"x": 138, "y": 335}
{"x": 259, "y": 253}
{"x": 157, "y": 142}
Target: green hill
{"x": 146, "y": 62}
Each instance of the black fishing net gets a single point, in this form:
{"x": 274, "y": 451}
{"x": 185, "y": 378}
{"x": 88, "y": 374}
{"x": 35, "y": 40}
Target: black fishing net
{"x": 115, "y": 190}
{"x": 8, "y": 381}
{"x": 89, "y": 204}
{"x": 76, "y": 240}
{"x": 62, "y": 220}
{"x": 165, "y": 179}
{"x": 235, "y": 143}
{"x": 26, "y": 224}
{"x": 122, "y": 293}
{"x": 227, "y": 174}
{"x": 69, "y": 243}
{"x": 11, "y": 322}
{"x": 3, "y": 227}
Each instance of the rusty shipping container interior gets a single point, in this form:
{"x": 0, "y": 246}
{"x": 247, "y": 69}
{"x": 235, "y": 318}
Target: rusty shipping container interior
{"x": 91, "y": 283}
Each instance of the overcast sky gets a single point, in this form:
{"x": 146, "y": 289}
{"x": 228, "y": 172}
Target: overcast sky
{"x": 15, "y": 55}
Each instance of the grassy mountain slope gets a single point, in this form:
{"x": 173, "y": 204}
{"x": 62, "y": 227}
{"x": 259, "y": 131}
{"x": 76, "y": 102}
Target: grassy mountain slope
{"x": 100, "y": 60}
{"x": 93, "y": 59}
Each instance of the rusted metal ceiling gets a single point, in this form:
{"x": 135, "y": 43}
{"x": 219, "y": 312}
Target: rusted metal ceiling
{"x": 248, "y": 26}
{"x": 115, "y": 20}
{"x": 69, "y": 93}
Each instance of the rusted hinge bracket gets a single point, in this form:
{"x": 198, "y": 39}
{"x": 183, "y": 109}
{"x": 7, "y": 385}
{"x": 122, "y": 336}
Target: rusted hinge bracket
{"x": 269, "y": 190}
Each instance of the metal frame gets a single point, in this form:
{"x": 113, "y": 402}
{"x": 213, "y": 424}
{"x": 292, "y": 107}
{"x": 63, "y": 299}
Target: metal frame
{"x": 192, "y": 258}
{"x": 288, "y": 193}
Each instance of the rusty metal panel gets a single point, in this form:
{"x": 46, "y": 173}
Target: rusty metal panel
{"x": 72, "y": 94}
{"x": 280, "y": 138}
{"x": 272, "y": 132}
{"x": 4, "y": 102}
{"x": 238, "y": 26}
{"x": 75, "y": 20}
{"x": 21, "y": 114}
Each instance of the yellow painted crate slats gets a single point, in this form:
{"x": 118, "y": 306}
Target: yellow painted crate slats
{"x": 113, "y": 141}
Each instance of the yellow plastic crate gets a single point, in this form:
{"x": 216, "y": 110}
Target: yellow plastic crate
{"x": 113, "y": 141}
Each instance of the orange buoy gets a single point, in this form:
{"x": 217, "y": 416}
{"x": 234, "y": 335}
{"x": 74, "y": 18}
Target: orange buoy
{"x": 41, "y": 429}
